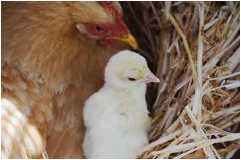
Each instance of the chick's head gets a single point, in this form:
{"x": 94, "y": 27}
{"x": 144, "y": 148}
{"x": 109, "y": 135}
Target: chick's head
{"x": 126, "y": 69}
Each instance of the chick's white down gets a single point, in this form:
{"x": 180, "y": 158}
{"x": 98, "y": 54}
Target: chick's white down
{"x": 116, "y": 117}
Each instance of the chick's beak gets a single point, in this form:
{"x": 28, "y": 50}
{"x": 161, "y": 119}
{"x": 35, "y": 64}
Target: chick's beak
{"x": 150, "y": 78}
{"x": 127, "y": 38}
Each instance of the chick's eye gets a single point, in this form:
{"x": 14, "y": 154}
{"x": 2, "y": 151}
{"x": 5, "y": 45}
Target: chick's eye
{"x": 99, "y": 28}
{"x": 131, "y": 79}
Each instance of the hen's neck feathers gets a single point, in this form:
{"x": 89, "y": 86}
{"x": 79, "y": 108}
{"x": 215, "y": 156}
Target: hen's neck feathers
{"x": 40, "y": 39}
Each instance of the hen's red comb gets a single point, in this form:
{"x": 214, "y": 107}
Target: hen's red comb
{"x": 105, "y": 3}
{"x": 109, "y": 6}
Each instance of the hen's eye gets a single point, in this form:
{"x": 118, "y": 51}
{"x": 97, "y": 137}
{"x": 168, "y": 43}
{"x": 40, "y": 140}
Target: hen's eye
{"x": 131, "y": 79}
{"x": 99, "y": 28}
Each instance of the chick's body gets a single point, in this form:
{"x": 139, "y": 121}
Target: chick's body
{"x": 117, "y": 121}
{"x": 116, "y": 117}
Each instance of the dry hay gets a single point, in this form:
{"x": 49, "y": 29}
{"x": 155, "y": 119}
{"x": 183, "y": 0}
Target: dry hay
{"x": 194, "y": 47}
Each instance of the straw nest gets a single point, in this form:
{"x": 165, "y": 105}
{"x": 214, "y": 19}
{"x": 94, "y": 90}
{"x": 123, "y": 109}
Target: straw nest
{"x": 194, "y": 47}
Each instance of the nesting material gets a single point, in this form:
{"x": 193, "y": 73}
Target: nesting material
{"x": 195, "y": 49}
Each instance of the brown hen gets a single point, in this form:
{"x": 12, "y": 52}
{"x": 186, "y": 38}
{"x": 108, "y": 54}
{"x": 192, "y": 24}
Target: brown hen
{"x": 53, "y": 58}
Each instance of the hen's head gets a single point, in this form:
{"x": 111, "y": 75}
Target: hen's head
{"x": 101, "y": 22}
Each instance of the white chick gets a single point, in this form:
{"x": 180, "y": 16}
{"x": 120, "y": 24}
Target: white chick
{"x": 116, "y": 117}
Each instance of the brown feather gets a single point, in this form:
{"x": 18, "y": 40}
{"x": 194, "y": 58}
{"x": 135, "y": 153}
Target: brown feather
{"x": 40, "y": 41}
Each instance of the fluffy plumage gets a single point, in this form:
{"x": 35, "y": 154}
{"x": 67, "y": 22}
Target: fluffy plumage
{"x": 26, "y": 115}
{"x": 19, "y": 139}
{"x": 116, "y": 117}
{"x": 51, "y": 50}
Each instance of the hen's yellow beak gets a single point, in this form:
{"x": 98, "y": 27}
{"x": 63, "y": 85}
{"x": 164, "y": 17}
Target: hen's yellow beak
{"x": 127, "y": 38}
